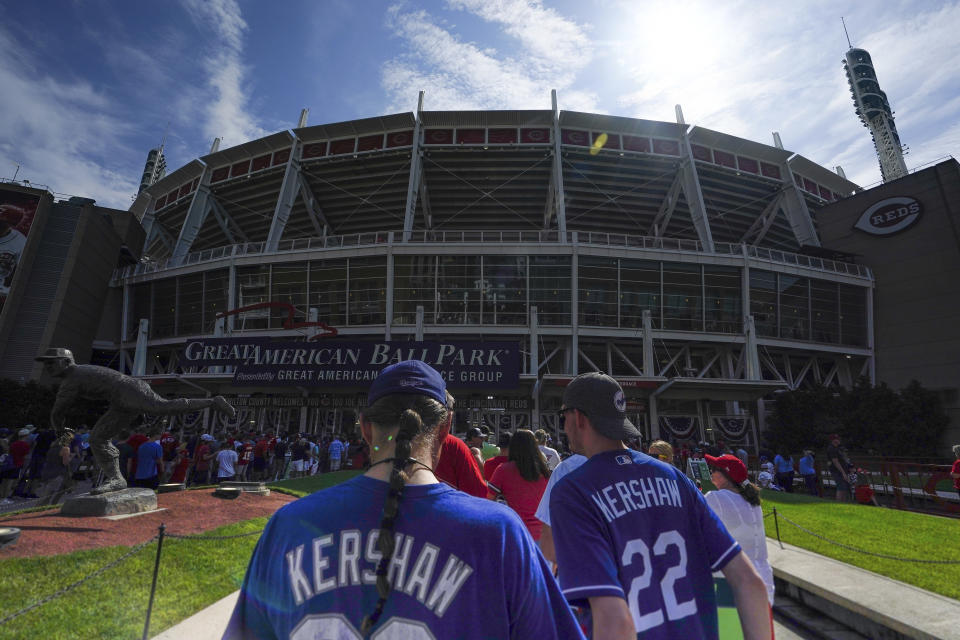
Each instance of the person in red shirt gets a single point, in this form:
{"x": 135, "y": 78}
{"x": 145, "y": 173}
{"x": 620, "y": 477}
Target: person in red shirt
{"x": 19, "y": 450}
{"x": 135, "y": 441}
{"x": 181, "y": 462}
{"x": 955, "y": 469}
{"x": 261, "y": 451}
{"x": 522, "y": 480}
{"x": 201, "y": 460}
{"x": 457, "y": 466}
{"x": 864, "y": 493}
{"x": 169, "y": 444}
{"x": 245, "y": 459}
{"x": 491, "y": 465}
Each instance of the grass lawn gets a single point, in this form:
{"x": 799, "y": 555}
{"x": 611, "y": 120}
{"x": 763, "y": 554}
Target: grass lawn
{"x": 304, "y": 486}
{"x": 888, "y": 531}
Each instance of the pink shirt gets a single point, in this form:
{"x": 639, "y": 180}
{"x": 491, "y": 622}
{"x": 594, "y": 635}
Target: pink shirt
{"x": 522, "y": 496}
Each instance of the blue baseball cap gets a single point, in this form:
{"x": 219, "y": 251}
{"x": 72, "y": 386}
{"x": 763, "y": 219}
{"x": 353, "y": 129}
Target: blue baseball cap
{"x": 412, "y": 377}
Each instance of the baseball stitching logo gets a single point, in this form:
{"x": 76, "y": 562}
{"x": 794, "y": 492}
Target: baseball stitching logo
{"x": 619, "y": 401}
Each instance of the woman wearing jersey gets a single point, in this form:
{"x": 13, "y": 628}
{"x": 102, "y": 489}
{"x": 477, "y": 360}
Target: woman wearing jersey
{"x": 737, "y": 503}
{"x": 395, "y": 553}
{"x": 522, "y": 479}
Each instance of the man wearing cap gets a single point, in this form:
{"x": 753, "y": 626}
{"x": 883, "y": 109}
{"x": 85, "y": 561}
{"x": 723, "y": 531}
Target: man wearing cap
{"x": 127, "y": 397}
{"x": 12, "y": 243}
{"x": 840, "y": 466}
{"x": 635, "y": 542}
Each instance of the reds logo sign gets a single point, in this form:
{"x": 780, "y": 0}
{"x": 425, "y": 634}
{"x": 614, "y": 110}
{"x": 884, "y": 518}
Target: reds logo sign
{"x": 890, "y": 216}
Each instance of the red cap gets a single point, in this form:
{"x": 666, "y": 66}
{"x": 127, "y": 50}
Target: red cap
{"x": 832, "y": 437}
{"x": 732, "y": 465}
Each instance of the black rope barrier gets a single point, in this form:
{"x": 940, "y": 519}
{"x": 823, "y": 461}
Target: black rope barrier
{"x": 848, "y": 547}
{"x": 74, "y": 585}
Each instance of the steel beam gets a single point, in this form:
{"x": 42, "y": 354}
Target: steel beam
{"x": 797, "y": 212}
{"x": 314, "y": 211}
{"x": 668, "y": 205}
{"x": 694, "y": 196}
{"x": 285, "y": 200}
{"x": 416, "y": 167}
{"x": 196, "y": 214}
{"x": 229, "y": 226}
{"x": 559, "y": 204}
{"x": 763, "y": 222}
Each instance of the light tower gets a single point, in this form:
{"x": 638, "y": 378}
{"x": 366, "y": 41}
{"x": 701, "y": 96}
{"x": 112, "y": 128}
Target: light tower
{"x": 154, "y": 169}
{"x": 873, "y": 108}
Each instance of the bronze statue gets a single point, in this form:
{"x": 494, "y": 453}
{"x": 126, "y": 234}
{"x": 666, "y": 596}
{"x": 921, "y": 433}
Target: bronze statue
{"x": 128, "y": 398}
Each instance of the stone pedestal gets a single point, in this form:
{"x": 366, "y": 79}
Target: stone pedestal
{"x": 257, "y": 488}
{"x": 169, "y": 487}
{"x": 114, "y": 503}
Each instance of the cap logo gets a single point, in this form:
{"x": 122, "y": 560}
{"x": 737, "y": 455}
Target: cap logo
{"x": 408, "y": 382}
{"x": 622, "y": 460}
{"x": 619, "y": 401}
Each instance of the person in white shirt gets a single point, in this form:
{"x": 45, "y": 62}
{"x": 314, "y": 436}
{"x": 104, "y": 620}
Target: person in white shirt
{"x": 737, "y": 503}
{"x": 226, "y": 463}
{"x": 553, "y": 458}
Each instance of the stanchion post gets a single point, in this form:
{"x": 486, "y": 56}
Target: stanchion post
{"x": 776, "y": 524}
{"x": 153, "y": 587}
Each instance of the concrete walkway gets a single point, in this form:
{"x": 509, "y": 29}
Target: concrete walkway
{"x": 907, "y": 610}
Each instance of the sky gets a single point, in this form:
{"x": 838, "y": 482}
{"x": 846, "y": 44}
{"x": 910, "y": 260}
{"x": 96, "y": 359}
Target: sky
{"x": 87, "y": 87}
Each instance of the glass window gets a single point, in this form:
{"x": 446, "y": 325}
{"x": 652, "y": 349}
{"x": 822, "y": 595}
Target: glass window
{"x": 215, "y": 286}
{"x": 723, "y": 307}
{"x": 368, "y": 291}
{"x": 458, "y": 291}
{"x": 253, "y": 287}
{"x": 639, "y": 290}
{"x": 853, "y": 315}
{"x": 763, "y": 302}
{"x": 190, "y": 305}
{"x": 328, "y": 291}
{"x": 794, "y": 307}
{"x": 550, "y": 289}
{"x": 505, "y": 290}
{"x": 141, "y": 294}
{"x": 597, "y": 290}
{"x": 413, "y": 284}
{"x": 164, "y": 308}
{"x": 682, "y": 297}
{"x": 288, "y": 283}
{"x": 824, "y": 311}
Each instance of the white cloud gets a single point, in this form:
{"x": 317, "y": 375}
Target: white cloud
{"x": 226, "y": 112}
{"x": 63, "y": 133}
{"x": 463, "y": 75}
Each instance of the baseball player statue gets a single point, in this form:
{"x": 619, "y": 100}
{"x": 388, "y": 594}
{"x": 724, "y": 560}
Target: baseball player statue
{"x": 128, "y": 398}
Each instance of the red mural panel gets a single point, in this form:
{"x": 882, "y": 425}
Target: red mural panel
{"x": 184, "y": 190}
{"x": 612, "y": 141}
{"x": 724, "y": 159}
{"x": 534, "y": 136}
{"x": 399, "y": 139}
{"x": 196, "y": 183}
{"x": 17, "y": 210}
{"x": 160, "y": 203}
{"x": 281, "y": 157}
{"x": 634, "y": 143}
{"x": 770, "y": 170}
{"x": 701, "y": 153}
{"x": 501, "y": 136}
{"x": 748, "y": 164}
{"x": 438, "y": 136}
{"x": 260, "y": 163}
{"x": 347, "y": 145}
{"x": 370, "y": 143}
{"x": 666, "y": 147}
{"x": 172, "y": 197}
{"x": 471, "y": 136}
{"x": 574, "y": 136}
{"x": 314, "y": 150}
{"x": 810, "y": 185}
{"x": 219, "y": 174}
{"x": 825, "y": 193}
{"x": 239, "y": 168}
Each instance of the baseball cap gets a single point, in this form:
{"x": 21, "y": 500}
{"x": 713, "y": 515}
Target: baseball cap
{"x": 601, "y": 398}
{"x": 732, "y": 465}
{"x": 474, "y": 432}
{"x": 55, "y": 353}
{"x": 24, "y": 432}
{"x": 206, "y": 437}
{"x": 413, "y": 377}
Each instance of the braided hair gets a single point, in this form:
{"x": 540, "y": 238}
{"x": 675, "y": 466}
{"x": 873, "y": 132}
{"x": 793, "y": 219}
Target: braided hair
{"x": 417, "y": 417}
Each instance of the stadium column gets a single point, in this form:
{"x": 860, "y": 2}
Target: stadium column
{"x": 574, "y": 309}
{"x": 288, "y": 195}
{"x": 691, "y": 189}
{"x": 797, "y": 212}
{"x": 872, "y": 362}
{"x": 196, "y": 214}
{"x": 559, "y": 200}
{"x": 388, "y": 319}
{"x": 416, "y": 167}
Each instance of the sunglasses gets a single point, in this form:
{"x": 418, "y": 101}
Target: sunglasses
{"x": 562, "y": 413}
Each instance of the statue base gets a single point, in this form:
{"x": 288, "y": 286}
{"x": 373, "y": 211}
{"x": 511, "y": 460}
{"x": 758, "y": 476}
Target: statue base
{"x": 258, "y": 488}
{"x": 113, "y": 503}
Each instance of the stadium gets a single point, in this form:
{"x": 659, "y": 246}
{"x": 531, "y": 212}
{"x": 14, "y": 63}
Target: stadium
{"x": 516, "y": 249}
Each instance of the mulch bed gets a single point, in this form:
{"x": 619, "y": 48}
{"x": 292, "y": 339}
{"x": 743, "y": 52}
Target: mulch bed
{"x": 47, "y": 533}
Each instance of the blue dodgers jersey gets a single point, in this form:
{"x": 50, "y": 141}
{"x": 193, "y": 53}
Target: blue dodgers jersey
{"x": 463, "y": 568}
{"x": 627, "y": 525}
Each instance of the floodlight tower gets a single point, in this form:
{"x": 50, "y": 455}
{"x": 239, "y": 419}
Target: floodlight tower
{"x": 154, "y": 169}
{"x": 873, "y": 108}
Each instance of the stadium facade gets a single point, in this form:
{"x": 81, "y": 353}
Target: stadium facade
{"x": 514, "y": 249}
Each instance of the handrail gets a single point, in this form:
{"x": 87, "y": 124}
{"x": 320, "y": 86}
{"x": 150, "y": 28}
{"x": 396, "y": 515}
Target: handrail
{"x": 428, "y": 237}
